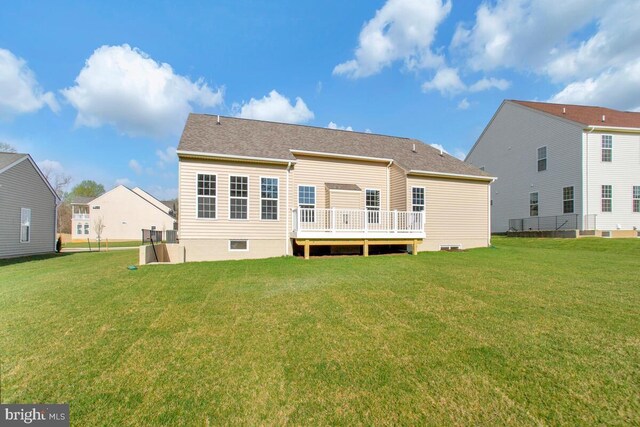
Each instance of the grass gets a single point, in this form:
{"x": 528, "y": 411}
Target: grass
{"x": 529, "y": 332}
{"x": 94, "y": 244}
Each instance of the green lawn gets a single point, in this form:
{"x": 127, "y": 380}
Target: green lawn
{"x": 94, "y": 244}
{"x": 529, "y": 332}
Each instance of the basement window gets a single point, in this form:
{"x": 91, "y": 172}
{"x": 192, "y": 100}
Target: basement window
{"x": 450, "y": 248}
{"x": 238, "y": 245}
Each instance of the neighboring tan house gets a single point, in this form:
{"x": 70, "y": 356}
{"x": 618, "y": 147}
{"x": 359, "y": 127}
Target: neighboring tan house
{"x": 122, "y": 211}
{"x": 256, "y": 189}
{"x": 28, "y": 206}
{"x": 562, "y": 167}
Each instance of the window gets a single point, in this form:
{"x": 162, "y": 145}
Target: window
{"x": 372, "y": 204}
{"x": 542, "y": 159}
{"x": 238, "y": 197}
{"x": 207, "y": 195}
{"x": 79, "y": 229}
{"x": 86, "y": 228}
{"x": 567, "y": 200}
{"x": 95, "y": 207}
{"x": 25, "y": 225}
{"x": 533, "y": 204}
{"x": 636, "y": 198}
{"x": 607, "y": 192}
{"x": 238, "y": 245}
{"x": 417, "y": 199}
{"x": 307, "y": 200}
{"x": 269, "y": 198}
{"x": 607, "y": 148}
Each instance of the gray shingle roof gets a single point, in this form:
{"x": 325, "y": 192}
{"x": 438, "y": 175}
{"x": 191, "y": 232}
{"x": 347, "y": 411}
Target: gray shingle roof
{"x": 7, "y": 158}
{"x": 336, "y": 186}
{"x": 80, "y": 200}
{"x": 255, "y": 138}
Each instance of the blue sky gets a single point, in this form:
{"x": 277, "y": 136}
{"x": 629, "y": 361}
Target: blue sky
{"x": 100, "y": 90}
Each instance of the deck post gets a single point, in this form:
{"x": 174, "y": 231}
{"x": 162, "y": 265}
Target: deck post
{"x": 414, "y": 251}
{"x": 306, "y": 249}
{"x": 366, "y": 225}
{"x": 395, "y": 221}
{"x": 365, "y": 250}
{"x": 333, "y": 219}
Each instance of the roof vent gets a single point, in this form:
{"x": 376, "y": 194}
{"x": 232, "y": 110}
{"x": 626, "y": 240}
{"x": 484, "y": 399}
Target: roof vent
{"x": 564, "y": 110}
{"x": 414, "y": 148}
{"x": 218, "y": 118}
{"x": 441, "y": 153}
{"x": 603, "y": 118}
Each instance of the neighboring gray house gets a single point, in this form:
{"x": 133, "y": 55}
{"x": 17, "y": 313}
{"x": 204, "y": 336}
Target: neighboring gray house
{"x": 27, "y": 208}
{"x": 562, "y": 166}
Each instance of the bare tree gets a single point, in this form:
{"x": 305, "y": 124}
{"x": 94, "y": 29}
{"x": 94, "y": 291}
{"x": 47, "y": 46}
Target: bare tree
{"x": 7, "y": 148}
{"x": 98, "y": 227}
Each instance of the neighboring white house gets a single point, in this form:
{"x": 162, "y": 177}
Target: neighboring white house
{"x": 561, "y": 167}
{"x": 27, "y": 207}
{"x": 255, "y": 189}
{"x": 123, "y": 213}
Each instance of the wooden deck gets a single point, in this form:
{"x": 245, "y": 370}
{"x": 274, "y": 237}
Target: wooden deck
{"x": 365, "y": 243}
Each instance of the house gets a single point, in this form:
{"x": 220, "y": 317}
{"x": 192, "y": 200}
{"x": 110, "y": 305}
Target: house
{"x": 255, "y": 189}
{"x": 562, "y": 167}
{"x": 28, "y": 206}
{"x": 123, "y": 213}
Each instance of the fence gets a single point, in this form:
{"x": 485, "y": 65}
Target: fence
{"x": 554, "y": 223}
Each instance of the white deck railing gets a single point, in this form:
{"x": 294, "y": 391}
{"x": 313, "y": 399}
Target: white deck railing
{"x": 357, "y": 221}
{"x": 80, "y": 216}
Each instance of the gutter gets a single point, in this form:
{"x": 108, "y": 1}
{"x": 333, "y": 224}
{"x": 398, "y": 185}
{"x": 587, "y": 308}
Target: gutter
{"x": 489, "y": 179}
{"x": 591, "y": 128}
{"x": 231, "y": 157}
{"x": 340, "y": 156}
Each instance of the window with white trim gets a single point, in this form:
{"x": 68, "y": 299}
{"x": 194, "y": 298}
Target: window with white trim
{"x": 207, "y": 195}
{"x": 25, "y": 225}
{"x": 636, "y": 198}
{"x": 607, "y": 195}
{"x": 269, "y": 198}
{"x": 86, "y": 228}
{"x": 307, "y": 200}
{"x": 78, "y": 228}
{"x": 542, "y": 159}
{"x": 607, "y": 148}
{"x": 417, "y": 199}
{"x": 567, "y": 200}
{"x": 238, "y": 197}
{"x": 533, "y": 204}
{"x": 372, "y": 205}
{"x": 238, "y": 245}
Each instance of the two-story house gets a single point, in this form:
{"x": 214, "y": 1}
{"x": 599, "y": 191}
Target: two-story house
{"x": 561, "y": 167}
{"x": 255, "y": 189}
{"x": 120, "y": 213}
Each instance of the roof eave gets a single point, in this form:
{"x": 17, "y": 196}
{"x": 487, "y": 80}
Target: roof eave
{"x": 231, "y": 157}
{"x": 612, "y": 128}
{"x": 340, "y": 156}
{"x": 453, "y": 175}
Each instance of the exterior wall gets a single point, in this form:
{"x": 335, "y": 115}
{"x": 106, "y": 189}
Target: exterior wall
{"x": 398, "y": 187}
{"x": 124, "y": 214}
{"x": 22, "y": 187}
{"x": 318, "y": 171}
{"x": 622, "y": 173}
{"x": 508, "y": 150}
{"x": 208, "y": 239}
{"x": 343, "y": 199}
{"x": 456, "y": 212}
{"x": 74, "y": 227}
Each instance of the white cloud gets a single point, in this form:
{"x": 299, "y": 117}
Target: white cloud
{"x": 460, "y": 154}
{"x": 367, "y": 130}
{"x": 620, "y": 87}
{"x": 19, "y": 90}
{"x": 125, "y": 88}
{"x": 448, "y": 82}
{"x": 124, "y": 181}
{"x": 135, "y": 166}
{"x": 439, "y": 147}
{"x": 51, "y": 166}
{"x": 162, "y": 193}
{"x": 402, "y": 30}
{"x": 277, "y": 108}
{"x": 333, "y": 125}
{"x": 463, "y": 104}
{"x": 167, "y": 156}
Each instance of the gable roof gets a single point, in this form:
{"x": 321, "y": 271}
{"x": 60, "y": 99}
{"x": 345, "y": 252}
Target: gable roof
{"x": 81, "y": 200}
{"x": 9, "y": 160}
{"x": 586, "y": 115}
{"x": 344, "y": 187}
{"x": 146, "y": 200}
{"x": 235, "y": 137}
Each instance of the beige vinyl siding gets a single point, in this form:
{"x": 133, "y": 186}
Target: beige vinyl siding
{"x": 22, "y": 187}
{"x": 341, "y": 199}
{"x": 191, "y": 227}
{"x": 398, "y": 188}
{"x": 318, "y": 171}
{"x": 457, "y": 212}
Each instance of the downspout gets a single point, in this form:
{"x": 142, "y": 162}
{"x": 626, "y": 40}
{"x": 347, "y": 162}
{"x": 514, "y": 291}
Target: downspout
{"x": 388, "y": 185}
{"x": 286, "y": 226}
{"x": 586, "y": 193}
{"x": 55, "y": 224}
